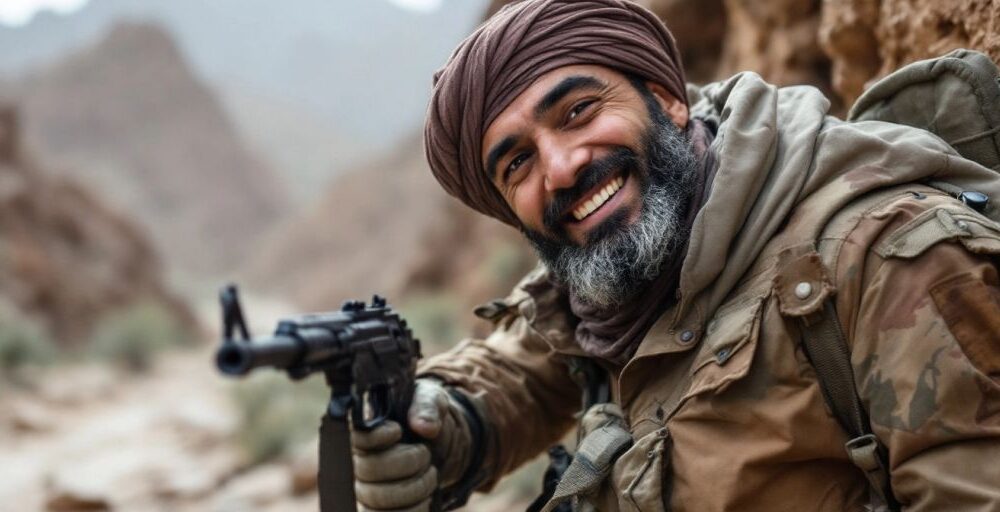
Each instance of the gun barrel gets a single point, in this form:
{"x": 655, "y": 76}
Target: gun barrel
{"x": 237, "y": 358}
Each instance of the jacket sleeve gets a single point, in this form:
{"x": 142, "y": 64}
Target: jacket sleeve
{"x": 520, "y": 386}
{"x": 926, "y": 355}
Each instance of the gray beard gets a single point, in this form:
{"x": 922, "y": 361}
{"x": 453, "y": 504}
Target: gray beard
{"x": 606, "y": 272}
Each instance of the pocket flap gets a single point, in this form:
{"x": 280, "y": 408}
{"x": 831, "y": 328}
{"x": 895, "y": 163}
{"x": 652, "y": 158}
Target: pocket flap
{"x": 728, "y": 348}
{"x": 937, "y": 225}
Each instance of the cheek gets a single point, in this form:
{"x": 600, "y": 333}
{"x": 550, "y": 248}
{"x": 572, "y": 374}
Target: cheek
{"x": 615, "y": 130}
{"x": 528, "y": 202}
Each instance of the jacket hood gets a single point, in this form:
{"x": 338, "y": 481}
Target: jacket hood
{"x": 777, "y": 146}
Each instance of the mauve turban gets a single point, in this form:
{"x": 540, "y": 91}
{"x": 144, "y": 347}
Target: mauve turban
{"x": 508, "y": 53}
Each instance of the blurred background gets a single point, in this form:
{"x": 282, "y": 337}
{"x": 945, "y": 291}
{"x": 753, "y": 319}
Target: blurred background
{"x": 154, "y": 150}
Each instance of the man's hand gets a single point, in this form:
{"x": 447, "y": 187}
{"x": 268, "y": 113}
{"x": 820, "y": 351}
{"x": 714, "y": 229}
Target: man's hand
{"x": 394, "y": 476}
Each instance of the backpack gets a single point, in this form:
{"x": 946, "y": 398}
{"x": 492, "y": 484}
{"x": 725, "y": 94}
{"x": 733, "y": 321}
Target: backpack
{"x": 957, "y": 98}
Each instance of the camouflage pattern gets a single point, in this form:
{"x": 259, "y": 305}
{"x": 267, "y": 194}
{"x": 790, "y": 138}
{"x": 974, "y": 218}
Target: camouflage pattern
{"x": 720, "y": 399}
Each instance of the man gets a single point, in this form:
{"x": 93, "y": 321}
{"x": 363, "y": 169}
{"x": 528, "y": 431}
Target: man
{"x": 690, "y": 240}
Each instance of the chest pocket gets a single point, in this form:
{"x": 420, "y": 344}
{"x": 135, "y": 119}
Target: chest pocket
{"x": 977, "y": 233}
{"x": 639, "y": 475}
{"x": 641, "y": 478}
{"x": 728, "y": 348}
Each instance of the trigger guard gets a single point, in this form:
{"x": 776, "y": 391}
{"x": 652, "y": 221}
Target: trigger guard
{"x": 379, "y": 401}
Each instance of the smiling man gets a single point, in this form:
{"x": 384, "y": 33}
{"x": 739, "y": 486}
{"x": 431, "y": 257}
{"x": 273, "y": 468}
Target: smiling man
{"x": 695, "y": 243}
{"x": 598, "y": 175}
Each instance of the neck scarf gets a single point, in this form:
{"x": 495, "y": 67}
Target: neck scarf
{"x": 614, "y": 334}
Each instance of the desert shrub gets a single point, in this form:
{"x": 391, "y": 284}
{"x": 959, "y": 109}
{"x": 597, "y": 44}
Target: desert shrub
{"x": 434, "y": 319}
{"x": 276, "y": 414}
{"x": 505, "y": 265}
{"x": 22, "y": 346}
{"x": 132, "y": 337}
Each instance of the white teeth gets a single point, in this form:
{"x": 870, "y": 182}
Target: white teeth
{"x": 598, "y": 199}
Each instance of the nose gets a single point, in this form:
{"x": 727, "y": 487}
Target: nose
{"x": 562, "y": 161}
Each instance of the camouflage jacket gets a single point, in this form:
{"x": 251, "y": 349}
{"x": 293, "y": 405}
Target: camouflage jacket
{"x": 721, "y": 403}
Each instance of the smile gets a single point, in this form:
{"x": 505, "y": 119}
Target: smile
{"x": 598, "y": 199}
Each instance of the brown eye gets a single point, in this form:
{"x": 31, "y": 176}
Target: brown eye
{"x": 578, "y": 109}
{"x": 518, "y": 160}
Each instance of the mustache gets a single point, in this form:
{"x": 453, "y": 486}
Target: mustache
{"x": 591, "y": 176}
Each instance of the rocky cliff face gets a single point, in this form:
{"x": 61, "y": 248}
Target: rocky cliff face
{"x": 66, "y": 259}
{"x": 836, "y": 45}
{"x": 866, "y": 39}
{"x": 129, "y": 120}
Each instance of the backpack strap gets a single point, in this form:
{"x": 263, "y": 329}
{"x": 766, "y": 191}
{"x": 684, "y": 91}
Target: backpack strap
{"x": 827, "y": 349}
{"x": 806, "y": 295}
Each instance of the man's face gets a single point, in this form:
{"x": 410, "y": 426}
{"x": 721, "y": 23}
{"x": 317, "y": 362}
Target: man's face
{"x": 598, "y": 174}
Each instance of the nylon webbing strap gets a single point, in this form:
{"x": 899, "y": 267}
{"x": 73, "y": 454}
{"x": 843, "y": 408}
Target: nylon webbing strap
{"x": 827, "y": 349}
{"x": 336, "y": 470}
{"x": 599, "y": 450}
{"x": 591, "y": 464}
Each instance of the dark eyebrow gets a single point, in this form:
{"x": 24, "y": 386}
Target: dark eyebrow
{"x": 568, "y": 85}
{"x": 498, "y": 151}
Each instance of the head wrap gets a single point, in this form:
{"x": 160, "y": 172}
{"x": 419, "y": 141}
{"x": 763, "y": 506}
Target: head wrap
{"x": 511, "y": 50}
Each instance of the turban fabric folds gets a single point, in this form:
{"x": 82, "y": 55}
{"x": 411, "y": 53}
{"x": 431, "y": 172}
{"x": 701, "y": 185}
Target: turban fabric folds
{"x": 511, "y": 50}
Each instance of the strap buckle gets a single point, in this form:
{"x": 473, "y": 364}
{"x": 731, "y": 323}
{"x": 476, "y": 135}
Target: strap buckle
{"x": 863, "y": 452}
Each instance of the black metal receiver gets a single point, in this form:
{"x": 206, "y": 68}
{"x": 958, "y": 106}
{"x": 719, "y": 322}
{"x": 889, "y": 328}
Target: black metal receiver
{"x": 368, "y": 356}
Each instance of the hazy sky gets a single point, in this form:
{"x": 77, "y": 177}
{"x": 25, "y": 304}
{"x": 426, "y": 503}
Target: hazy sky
{"x": 418, "y": 5}
{"x": 19, "y": 12}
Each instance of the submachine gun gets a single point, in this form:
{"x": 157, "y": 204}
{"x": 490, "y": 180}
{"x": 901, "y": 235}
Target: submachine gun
{"x": 368, "y": 356}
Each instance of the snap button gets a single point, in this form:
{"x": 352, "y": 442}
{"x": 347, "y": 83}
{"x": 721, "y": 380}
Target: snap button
{"x": 686, "y": 336}
{"x": 722, "y": 355}
{"x": 964, "y": 226}
{"x": 803, "y": 290}
{"x": 975, "y": 200}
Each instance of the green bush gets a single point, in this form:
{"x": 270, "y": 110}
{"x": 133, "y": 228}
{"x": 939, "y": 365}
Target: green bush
{"x": 433, "y": 317}
{"x": 277, "y": 414}
{"x": 22, "y": 345}
{"x": 505, "y": 265}
{"x": 132, "y": 337}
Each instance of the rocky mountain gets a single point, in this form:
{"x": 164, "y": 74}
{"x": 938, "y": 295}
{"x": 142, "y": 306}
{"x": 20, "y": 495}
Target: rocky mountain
{"x": 66, "y": 258}
{"x": 356, "y": 72}
{"x": 388, "y": 228}
{"x": 129, "y": 119}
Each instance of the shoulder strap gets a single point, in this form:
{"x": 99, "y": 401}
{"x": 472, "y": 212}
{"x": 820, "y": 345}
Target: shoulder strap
{"x": 805, "y": 293}
{"x": 827, "y": 349}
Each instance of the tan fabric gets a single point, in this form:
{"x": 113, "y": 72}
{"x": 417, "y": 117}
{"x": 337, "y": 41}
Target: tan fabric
{"x": 751, "y": 431}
